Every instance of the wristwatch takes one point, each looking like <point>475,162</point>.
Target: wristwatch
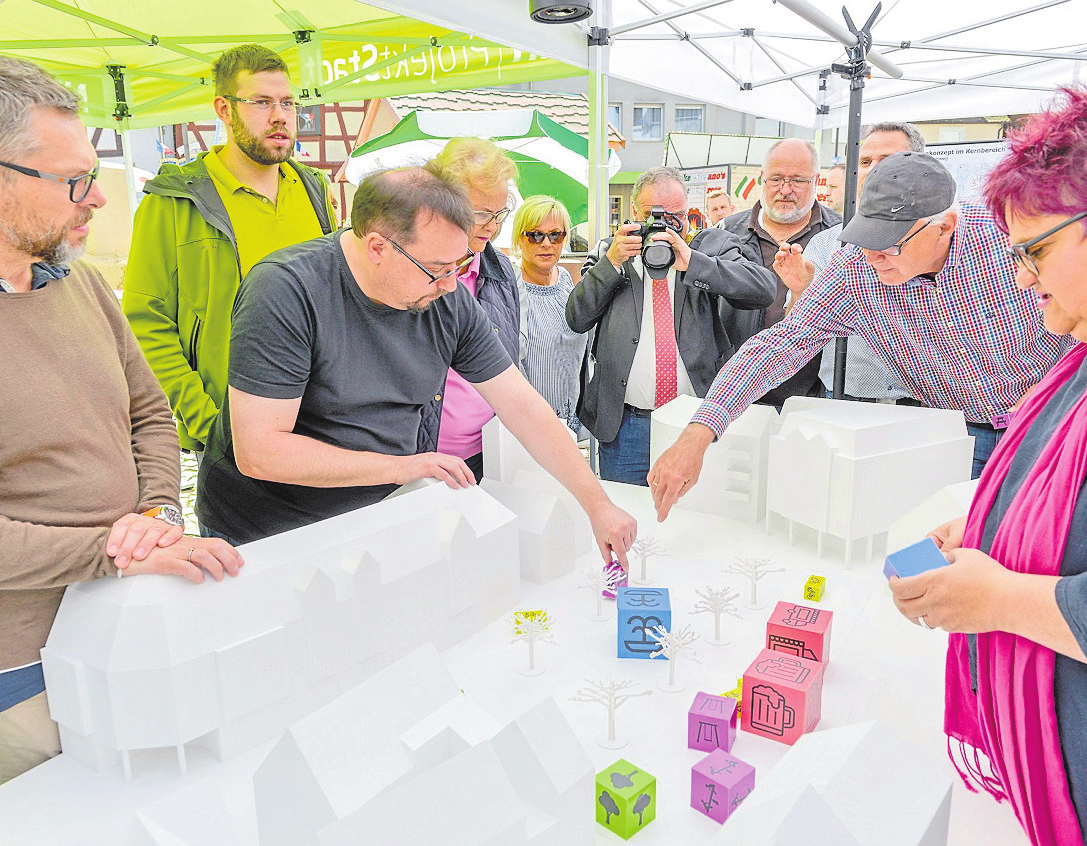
<point>167,514</point>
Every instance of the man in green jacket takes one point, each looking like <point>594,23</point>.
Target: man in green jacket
<point>203,226</point>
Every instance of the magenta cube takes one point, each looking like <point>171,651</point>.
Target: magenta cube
<point>719,783</point>
<point>711,723</point>
<point>800,630</point>
<point>624,579</point>
<point>782,696</point>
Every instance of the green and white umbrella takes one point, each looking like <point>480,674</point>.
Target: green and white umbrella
<point>551,159</point>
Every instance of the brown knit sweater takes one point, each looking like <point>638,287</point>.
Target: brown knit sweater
<point>86,436</point>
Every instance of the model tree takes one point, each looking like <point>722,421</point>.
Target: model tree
<point>717,601</point>
<point>611,694</point>
<point>600,579</point>
<point>645,548</point>
<point>754,569</point>
<point>674,645</point>
<point>532,627</point>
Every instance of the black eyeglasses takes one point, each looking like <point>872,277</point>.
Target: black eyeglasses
<point>1023,254</point>
<point>896,249</point>
<point>458,268</point>
<point>556,236</point>
<point>78,186</point>
<point>483,217</point>
<point>265,104</point>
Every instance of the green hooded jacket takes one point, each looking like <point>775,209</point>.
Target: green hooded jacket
<point>183,273</point>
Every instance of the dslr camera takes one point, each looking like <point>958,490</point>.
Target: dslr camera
<point>657,256</point>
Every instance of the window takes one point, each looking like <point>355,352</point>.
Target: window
<point>952,134</point>
<point>648,123</point>
<point>615,116</point>
<point>615,212</point>
<point>689,118</point>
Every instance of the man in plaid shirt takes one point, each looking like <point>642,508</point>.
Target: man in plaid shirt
<point>928,284</point>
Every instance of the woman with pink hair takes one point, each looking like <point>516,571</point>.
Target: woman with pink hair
<point>1015,594</point>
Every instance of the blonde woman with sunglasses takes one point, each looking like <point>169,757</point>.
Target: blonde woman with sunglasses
<point>551,352</point>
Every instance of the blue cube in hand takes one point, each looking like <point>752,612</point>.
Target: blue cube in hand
<point>914,559</point>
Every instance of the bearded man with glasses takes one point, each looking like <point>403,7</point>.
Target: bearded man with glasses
<point>203,225</point>
<point>929,284</point>
<point>339,344</point>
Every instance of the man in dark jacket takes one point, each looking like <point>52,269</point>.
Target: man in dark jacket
<point>680,317</point>
<point>786,212</point>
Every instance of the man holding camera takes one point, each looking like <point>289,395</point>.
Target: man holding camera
<point>656,338</point>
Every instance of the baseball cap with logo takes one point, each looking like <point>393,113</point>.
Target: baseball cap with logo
<point>901,190</point>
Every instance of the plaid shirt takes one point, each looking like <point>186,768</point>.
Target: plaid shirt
<point>968,340</point>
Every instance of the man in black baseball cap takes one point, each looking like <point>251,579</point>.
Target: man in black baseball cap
<point>928,285</point>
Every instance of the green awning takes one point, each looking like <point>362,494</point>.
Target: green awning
<point>139,64</point>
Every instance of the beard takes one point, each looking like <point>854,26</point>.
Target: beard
<point>253,146</point>
<point>788,215</point>
<point>33,238</point>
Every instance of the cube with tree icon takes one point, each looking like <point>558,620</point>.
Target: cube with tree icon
<point>626,798</point>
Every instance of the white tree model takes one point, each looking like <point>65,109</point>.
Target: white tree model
<point>532,627</point>
<point>611,694</point>
<point>717,601</point>
<point>754,569</point>
<point>673,645</point>
<point>598,580</point>
<point>645,548</point>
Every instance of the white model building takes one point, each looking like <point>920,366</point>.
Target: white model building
<point>733,478</point>
<point>406,759</point>
<point>554,530</point>
<point>848,470</point>
<point>946,504</point>
<point>136,667</point>
<point>849,786</point>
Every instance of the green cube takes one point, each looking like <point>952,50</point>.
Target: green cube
<point>626,798</point>
<point>814,588</point>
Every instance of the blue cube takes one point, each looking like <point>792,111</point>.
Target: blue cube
<point>641,610</point>
<point>914,559</point>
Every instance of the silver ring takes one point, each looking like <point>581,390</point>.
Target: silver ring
<point>189,556</point>
<point>923,623</point>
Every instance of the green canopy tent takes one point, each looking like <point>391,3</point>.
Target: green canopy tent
<point>141,64</point>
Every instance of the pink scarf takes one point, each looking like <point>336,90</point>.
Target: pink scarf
<point>1012,721</point>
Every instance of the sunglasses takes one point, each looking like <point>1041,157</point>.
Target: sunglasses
<point>556,236</point>
<point>459,267</point>
<point>1023,254</point>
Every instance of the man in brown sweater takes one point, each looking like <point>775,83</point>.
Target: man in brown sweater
<point>88,453</point>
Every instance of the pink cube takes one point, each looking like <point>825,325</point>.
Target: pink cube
<point>719,783</point>
<point>711,723</point>
<point>615,567</point>
<point>782,696</point>
<point>800,630</point>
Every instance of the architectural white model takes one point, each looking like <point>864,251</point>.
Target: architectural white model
<point>848,470</point>
<point>140,666</point>
<point>947,504</point>
<point>848,786</point>
<point>754,570</point>
<point>532,627</point>
<point>674,645</point>
<point>717,601</point>
<point>405,758</point>
<point>554,530</point>
<point>611,694</point>
<point>733,478</point>
<point>644,548</point>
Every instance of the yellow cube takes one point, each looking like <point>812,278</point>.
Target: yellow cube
<point>736,693</point>
<point>814,588</point>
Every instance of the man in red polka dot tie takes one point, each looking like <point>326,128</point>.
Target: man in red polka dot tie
<point>657,338</point>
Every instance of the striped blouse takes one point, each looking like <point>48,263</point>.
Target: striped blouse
<point>553,352</point>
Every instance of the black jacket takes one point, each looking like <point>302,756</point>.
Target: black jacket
<point>719,280</point>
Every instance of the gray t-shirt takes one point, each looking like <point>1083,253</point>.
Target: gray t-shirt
<point>302,327</point>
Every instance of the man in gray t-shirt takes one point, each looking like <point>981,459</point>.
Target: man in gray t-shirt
<point>337,345</point>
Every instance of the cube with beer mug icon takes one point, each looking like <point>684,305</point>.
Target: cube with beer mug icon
<point>800,630</point>
<point>782,696</point>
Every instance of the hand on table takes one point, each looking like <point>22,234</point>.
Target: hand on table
<point>134,536</point>
<point>434,465</point>
<point>190,558</point>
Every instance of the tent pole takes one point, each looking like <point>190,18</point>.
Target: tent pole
<point>599,51</point>
<point>130,170</point>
